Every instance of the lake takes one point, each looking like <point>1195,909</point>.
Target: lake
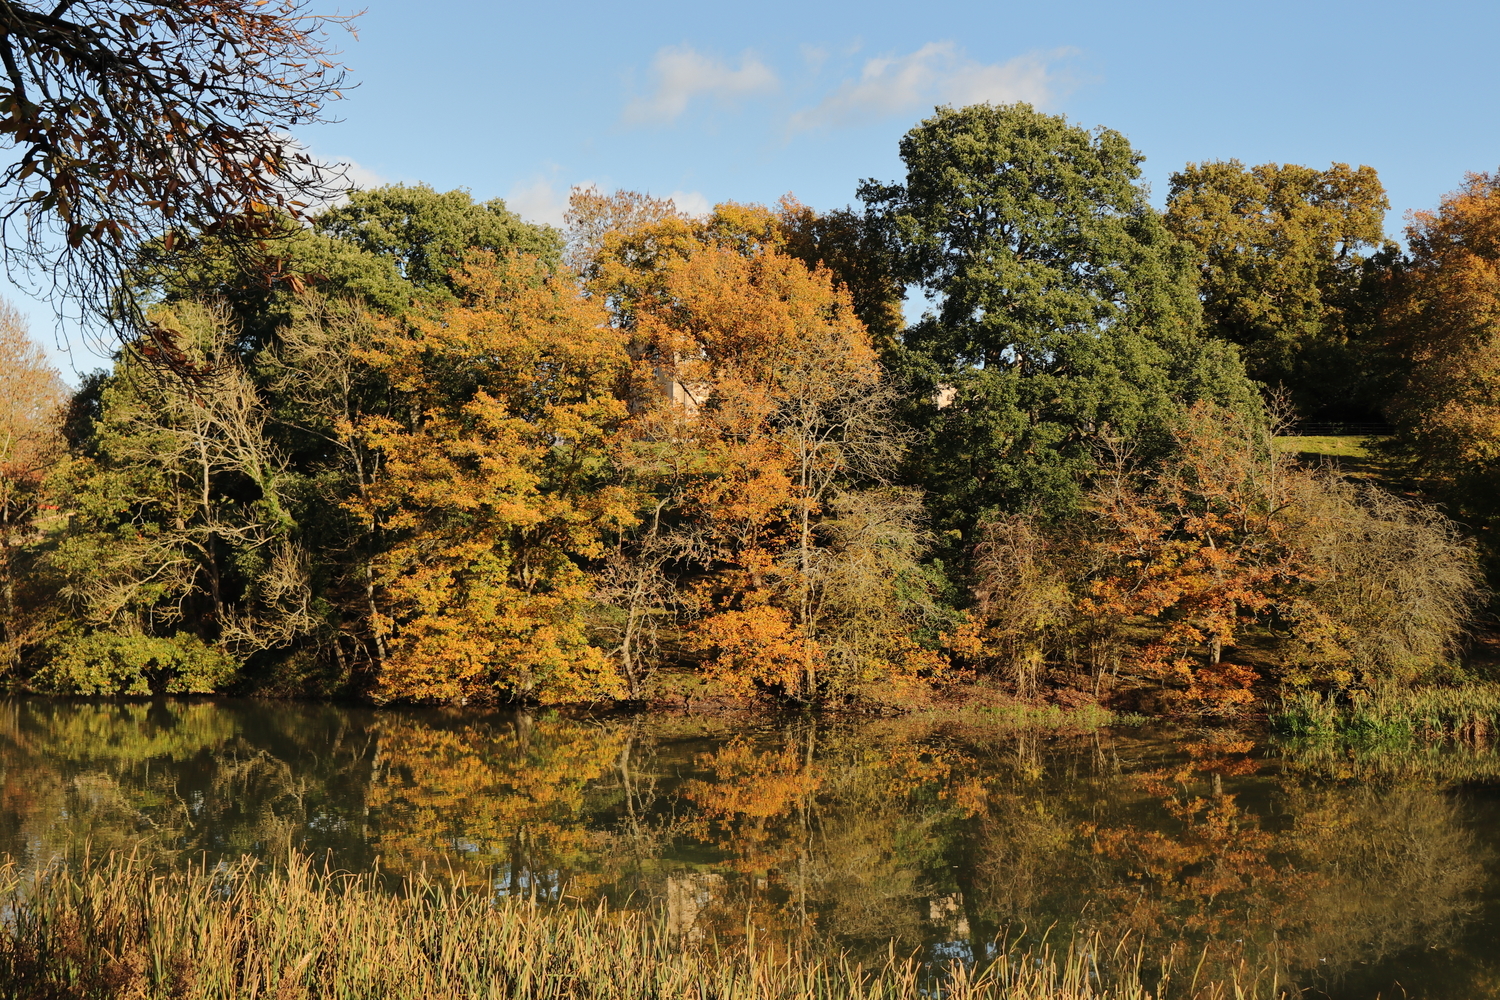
<point>1351,873</point>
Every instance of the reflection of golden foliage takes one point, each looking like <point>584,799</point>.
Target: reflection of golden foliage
<point>512,794</point>
<point>756,785</point>
<point>835,831</point>
<point>1360,872</point>
<point>810,833</point>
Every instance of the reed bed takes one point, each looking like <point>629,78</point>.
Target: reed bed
<point>119,929</point>
<point>1469,714</point>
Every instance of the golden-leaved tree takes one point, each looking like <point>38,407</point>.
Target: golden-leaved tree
<point>1445,325</point>
<point>495,486</point>
<point>798,552</point>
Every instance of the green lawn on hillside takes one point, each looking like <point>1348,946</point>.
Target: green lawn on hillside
<point>1356,456</point>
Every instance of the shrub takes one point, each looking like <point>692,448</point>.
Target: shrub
<point>1392,585</point>
<point>105,663</point>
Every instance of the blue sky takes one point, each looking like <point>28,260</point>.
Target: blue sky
<point>708,102</point>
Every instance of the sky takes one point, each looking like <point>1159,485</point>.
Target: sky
<point>707,102</point>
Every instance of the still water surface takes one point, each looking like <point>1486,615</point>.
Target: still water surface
<point>1355,875</point>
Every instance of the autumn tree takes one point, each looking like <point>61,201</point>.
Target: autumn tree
<point>593,215</point>
<point>1202,545</point>
<point>775,383</point>
<point>1395,587</point>
<point>642,610</point>
<point>1444,325</point>
<point>135,122</point>
<point>1065,312</point>
<point>31,408</point>
<point>1180,560</point>
<point>1022,600</point>
<point>1283,253</point>
<point>494,485</point>
<point>858,253</point>
<point>268,556</point>
<point>1229,536</point>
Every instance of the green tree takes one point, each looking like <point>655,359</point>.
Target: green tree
<point>263,298</point>
<point>427,233</point>
<point>176,531</point>
<point>1282,256</point>
<point>1065,312</point>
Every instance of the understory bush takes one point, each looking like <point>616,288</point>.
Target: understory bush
<point>108,663</point>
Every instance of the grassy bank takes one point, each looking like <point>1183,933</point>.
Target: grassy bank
<point>1356,456</point>
<point>1428,714</point>
<point>118,929</point>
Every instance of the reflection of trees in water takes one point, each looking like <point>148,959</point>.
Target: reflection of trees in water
<point>830,832</point>
<point>81,773</point>
<point>502,798</point>
<point>1320,878</point>
<point>809,831</point>
<point>167,778</point>
<point>1394,868</point>
<point>802,830</point>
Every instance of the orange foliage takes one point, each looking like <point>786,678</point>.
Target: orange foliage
<point>759,803</point>
<point>1215,864</point>
<point>775,384</point>
<point>31,444</point>
<point>1202,548</point>
<point>1448,324</point>
<point>495,486</point>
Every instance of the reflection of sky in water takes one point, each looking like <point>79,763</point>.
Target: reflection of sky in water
<point>1352,872</point>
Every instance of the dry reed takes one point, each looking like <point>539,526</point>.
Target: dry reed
<point>120,929</point>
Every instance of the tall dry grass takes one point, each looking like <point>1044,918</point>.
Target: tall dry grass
<point>118,929</point>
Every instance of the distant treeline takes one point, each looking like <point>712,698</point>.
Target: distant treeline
<point>444,454</point>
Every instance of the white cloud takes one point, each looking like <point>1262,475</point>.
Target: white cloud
<point>683,74</point>
<point>691,202</point>
<point>344,175</point>
<point>937,73</point>
<point>815,56</point>
<point>539,201</point>
<point>360,177</point>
